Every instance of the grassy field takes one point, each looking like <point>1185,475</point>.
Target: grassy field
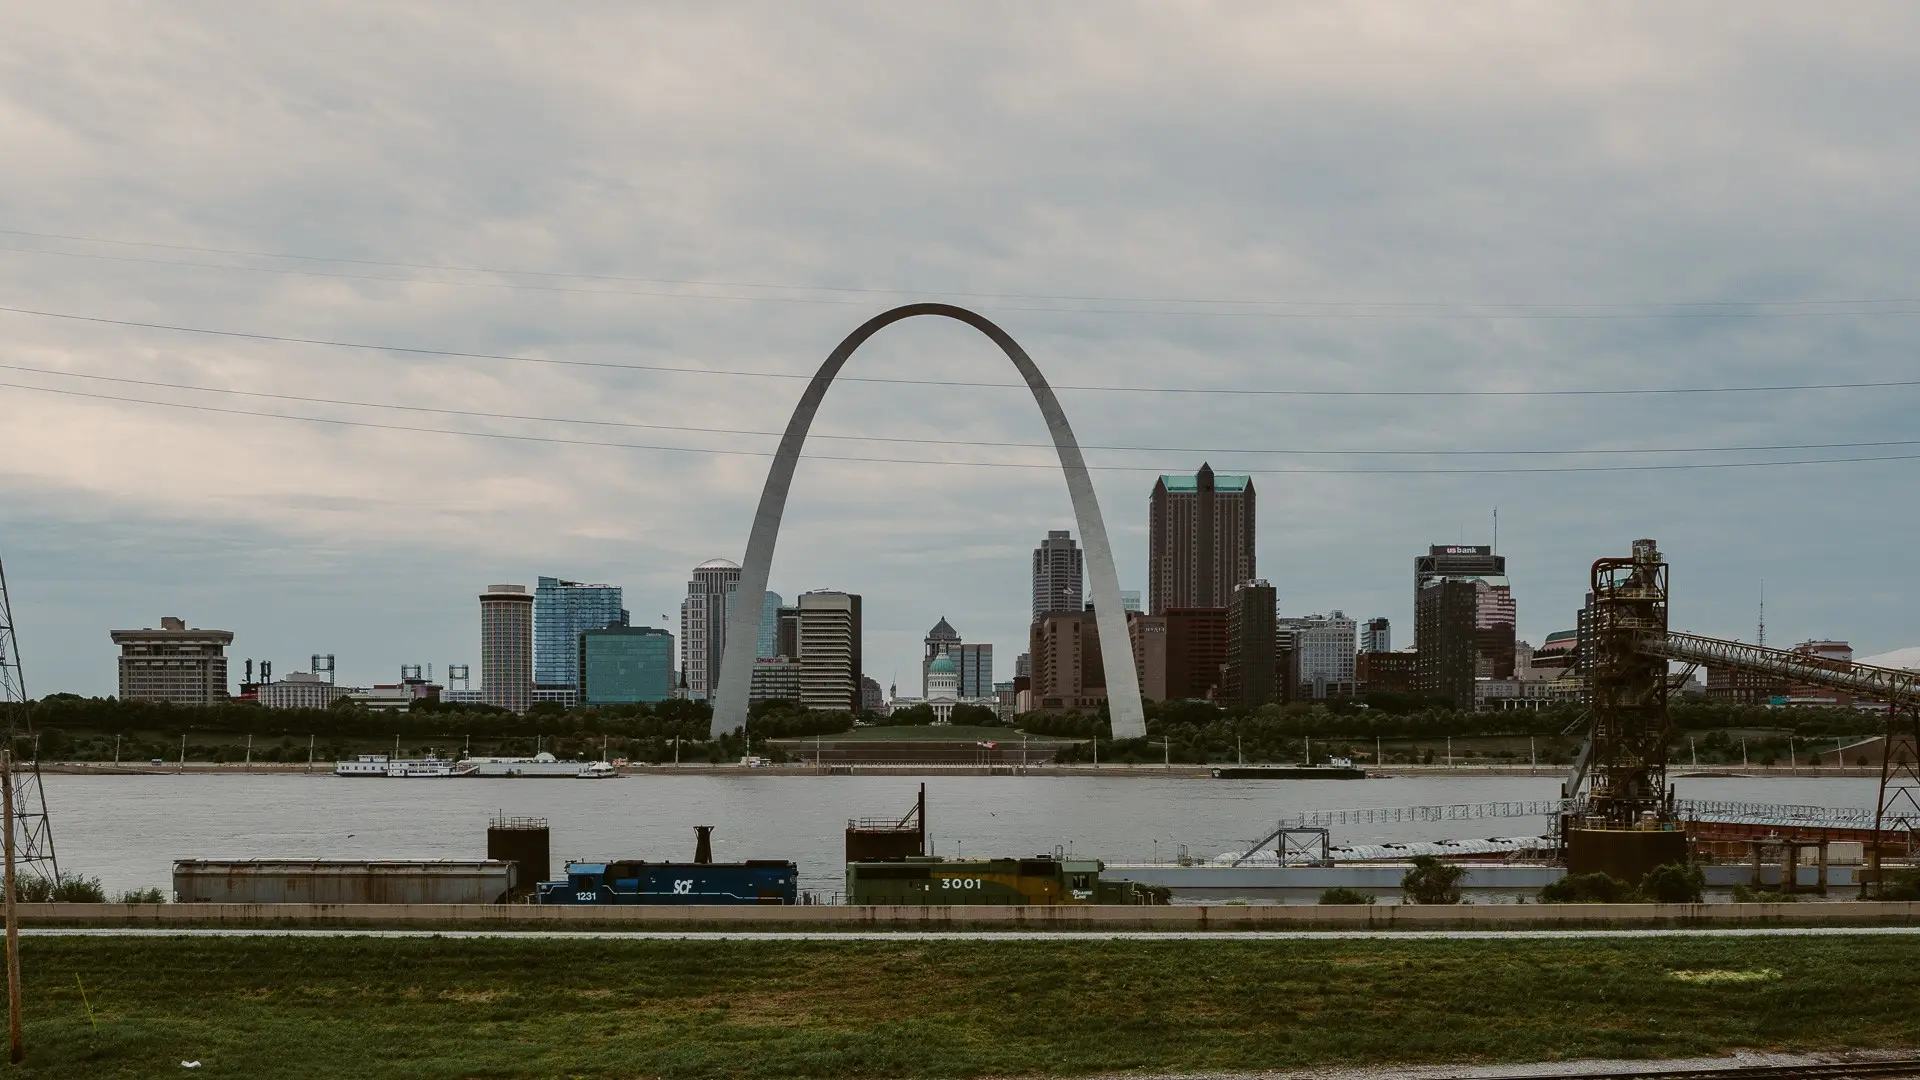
<point>432,1008</point>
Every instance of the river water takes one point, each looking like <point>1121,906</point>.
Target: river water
<point>128,829</point>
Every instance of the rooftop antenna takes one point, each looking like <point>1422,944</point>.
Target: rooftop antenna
<point>1496,530</point>
<point>1763,611</point>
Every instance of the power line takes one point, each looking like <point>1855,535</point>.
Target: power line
<point>873,291</point>
<point>669,369</point>
<point>1313,452</point>
<point>334,422</point>
<point>1344,311</point>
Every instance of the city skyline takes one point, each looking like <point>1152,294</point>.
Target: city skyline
<point>1381,263</point>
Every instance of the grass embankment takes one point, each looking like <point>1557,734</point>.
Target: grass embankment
<point>436,1008</point>
<point>1000,735</point>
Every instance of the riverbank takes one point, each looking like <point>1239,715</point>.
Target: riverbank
<point>440,1009</point>
<point>1188,772</point>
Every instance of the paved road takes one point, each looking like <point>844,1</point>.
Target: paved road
<point>988,935</point>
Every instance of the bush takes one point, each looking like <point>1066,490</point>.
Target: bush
<point>141,896</point>
<point>1898,885</point>
<point>1595,888</point>
<point>1674,884</point>
<point>70,889</point>
<point>1744,895</point>
<point>1346,896</point>
<point>1432,881</point>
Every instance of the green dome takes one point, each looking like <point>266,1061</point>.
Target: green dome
<point>942,665</point>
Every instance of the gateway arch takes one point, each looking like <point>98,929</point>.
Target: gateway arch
<point>1116,649</point>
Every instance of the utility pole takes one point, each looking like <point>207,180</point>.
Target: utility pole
<point>309,753</point>
<point>116,749</point>
<point>249,762</point>
<point>183,751</point>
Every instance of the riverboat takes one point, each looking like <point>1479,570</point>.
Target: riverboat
<point>598,770</point>
<point>424,768</point>
<point>542,764</point>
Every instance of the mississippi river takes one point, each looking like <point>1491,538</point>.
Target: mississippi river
<point>127,830</point>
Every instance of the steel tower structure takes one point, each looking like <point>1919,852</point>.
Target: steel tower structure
<point>33,840</point>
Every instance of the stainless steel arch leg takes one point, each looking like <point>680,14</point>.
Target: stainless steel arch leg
<point>1116,649</point>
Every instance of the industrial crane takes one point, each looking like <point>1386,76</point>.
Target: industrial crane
<point>1628,825</point>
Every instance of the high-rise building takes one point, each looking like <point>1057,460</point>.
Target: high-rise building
<point>769,643</point>
<point>1058,577</point>
<point>830,651</point>
<point>787,637</point>
<point>1023,666</point>
<point>1384,672</point>
<point>1323,655</point>
<point>174,663</point>
<point>1067,668</point>
<point>1148,636</point>
<point>943,638</point>
<point>1464,619</point>
<point>873,698</point>
<point>1556,654</point>
<point>1196,649</point>
<point>506,647</point>
<point>1248,677</point>
<point>1376,635</point>
<point>1130,600</point>
<point>976,670</point>
<point>1199,540</point>
<point>1444,653</point>
<point>703,625</point>
<point>775,678</point>
<point>561,609</point>
<point>625,665</point>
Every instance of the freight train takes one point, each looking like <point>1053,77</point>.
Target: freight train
<point>702,881</point>
<point>1042,880</point>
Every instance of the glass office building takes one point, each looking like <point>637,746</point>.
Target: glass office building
<point>625,665</point>
<point>561,610</point>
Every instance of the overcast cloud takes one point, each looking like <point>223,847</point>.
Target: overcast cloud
<point>1469,197</point>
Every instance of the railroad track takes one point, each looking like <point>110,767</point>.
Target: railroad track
<point>1836,1070</point>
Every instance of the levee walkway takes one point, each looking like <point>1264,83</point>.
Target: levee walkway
<point>1074,918</point>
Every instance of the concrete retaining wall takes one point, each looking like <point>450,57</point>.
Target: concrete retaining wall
<point>1272,917</point>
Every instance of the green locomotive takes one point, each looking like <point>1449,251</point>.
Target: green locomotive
<point>926,880</point>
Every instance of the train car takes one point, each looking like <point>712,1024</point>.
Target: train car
<point>1042,880</point>
<point>756,881</point>
<point>702,881</point>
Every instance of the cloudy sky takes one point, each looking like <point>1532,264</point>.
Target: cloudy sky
<point>1440,201</point>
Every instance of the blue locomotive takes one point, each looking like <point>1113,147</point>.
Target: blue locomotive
<point>702,881</point>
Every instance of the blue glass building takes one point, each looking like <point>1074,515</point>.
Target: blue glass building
<point>625,665</point>
<point>561,610</point>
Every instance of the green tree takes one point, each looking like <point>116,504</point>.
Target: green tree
<point>1674,884</point>
<point>1432,881</point>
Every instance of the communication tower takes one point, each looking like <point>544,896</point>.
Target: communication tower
<point>33,840</point>
<point>456,676</point>
<point>318,667</point>
<point>409,672</point>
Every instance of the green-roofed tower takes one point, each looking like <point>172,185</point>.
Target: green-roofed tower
<point>1199,541</point>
